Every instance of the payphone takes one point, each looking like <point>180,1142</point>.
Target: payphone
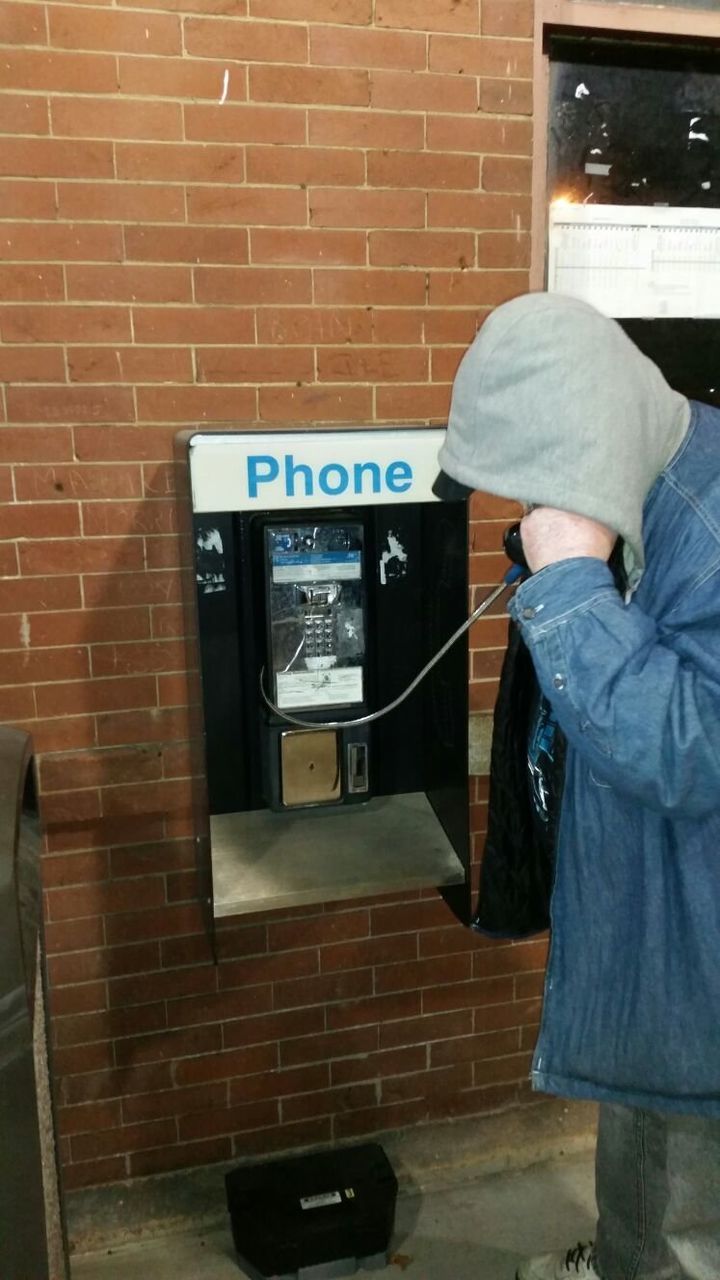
<point>326,575</point>
<point>316,645</point>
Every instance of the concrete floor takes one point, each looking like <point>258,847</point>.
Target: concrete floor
<point>477,1229</point>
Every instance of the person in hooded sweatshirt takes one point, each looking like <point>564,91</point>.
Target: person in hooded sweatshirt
<point>555,407</point>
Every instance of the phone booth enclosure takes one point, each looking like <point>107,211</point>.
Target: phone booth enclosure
<point>323,614</point>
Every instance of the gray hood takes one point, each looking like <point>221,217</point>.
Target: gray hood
<point>554,405</point>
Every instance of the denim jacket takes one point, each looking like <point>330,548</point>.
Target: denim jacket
<point>631,1011</point>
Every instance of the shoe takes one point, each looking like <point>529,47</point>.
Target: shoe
<point>558,1266</point>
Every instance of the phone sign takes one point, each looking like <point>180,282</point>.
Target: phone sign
<point>233,471</point>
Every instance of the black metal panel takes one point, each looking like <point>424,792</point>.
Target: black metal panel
<point>399,644</point>
<point>446,710</point>
<point>220,662</point>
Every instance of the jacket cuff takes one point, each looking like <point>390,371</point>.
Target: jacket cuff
<point>556,592</point>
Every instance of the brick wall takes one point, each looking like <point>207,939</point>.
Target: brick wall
<point>222,211</point>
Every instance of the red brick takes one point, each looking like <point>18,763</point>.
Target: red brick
<point>506,174</point>
<point>124,444</point>
<point>38,483</point>
<point>340,11</point>
<point>381,129</point>
<point>234,1120</point>
<point>96,695</point>
<point>483,134</point>
<point>57,71</point>
<point>24,115</point>
<point>332,47</point>
<point>51,157</point>
<point>489,211</point>
<point>195,404</point>
<point>252,285</point>
<point>134,659</point>
<point>40,593</point>
<point>100,118</point>
<point>90,1172</point>
<point>186,244</point>
<point>322,1048</point>
<point>310,85</point>
<point>368,951</point>
<point>16,704</point>
<point>375,1009</point>
<point>120,202</point>
<point>421,403</point>
<point>68,242</point>
<point>129,284</point>
<point>98,769</point>
<point>382,1118</point>
<point>304,166</point>
<point>223,1066</point>
<point>507,18</point>
<point>273,1027</point>
<point>9,565</point>
<point>315,404</point>
<point>69,404</point>
<point>88,1116</point>
<point>413,91</point>
<point>476,288</point>
<point>32,364</point>
<point>128,518</point>
<point>87,1146</point>
<point>512,97</point>
<point>511,59</point>
<point>30,283</point>
<point>180,162</point>
<point>129,364</point>
<point>504,249</point>
<point>226,38</point>
<point>421,249</point>
<point>22,24</point>
<point>254,364</point>
<point>94,1086</point>
<point>173,1102</point>
<point>252,207</point>
<point>239,123</point>
<point>422,1031</point>
<point>90,556</point>
<point>219,1008</point>
<point>167,1046</point>
<point>428,15</point>
<point>195,325</point>
<point>423,170</point>
<point>369,287</point>
<point>25,666</point>
<point>147,726</point>
<point>345,208</point>
<point>186,78</point>
<point>35,200</point>
<point>184,1154</point>
<point>311,326</point>
<point>30,444</point>
<point>74,936</point>
<point>323,247</point>
<point>76,868</point>
<point>372,364</point>
<point>65,324</point>
<point>114,30</point>
<point>163,922</point>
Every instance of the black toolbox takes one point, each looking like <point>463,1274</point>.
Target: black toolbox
<point>314,1216</point>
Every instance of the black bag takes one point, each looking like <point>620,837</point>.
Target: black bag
<point>516,873</point>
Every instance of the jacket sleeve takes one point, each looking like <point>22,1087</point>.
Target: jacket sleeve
<point>642,708</point>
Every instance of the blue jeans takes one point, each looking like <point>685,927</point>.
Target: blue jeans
<point>658,1193</point>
